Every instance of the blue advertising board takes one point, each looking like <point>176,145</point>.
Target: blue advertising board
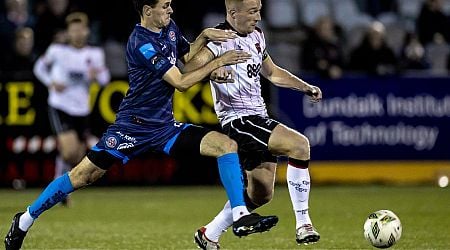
<point>372,118</point>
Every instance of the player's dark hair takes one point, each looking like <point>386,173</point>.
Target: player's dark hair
<point>139,4</point>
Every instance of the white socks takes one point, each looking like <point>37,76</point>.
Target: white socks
<point>224,220</point>
<point>25,221</point>
<point>239,211</point>
<point>220,223</point>
<point>298,181</point>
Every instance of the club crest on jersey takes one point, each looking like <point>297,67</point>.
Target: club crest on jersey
<point>111,142</point>
<point>258,48</point>
<point>172,36</point>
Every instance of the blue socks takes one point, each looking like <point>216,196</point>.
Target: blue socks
<point>56,191</point>
<point>231,177</point>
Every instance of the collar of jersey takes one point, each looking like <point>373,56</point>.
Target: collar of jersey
<point>149,31</point>
<point>228,26</point>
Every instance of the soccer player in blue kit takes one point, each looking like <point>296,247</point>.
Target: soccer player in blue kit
<point>145,120</point>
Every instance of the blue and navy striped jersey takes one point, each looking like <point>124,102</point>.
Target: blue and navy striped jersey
<point>149,56</point>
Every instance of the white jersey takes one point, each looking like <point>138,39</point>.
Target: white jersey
<point>66,65</point>
<point>243,97</point>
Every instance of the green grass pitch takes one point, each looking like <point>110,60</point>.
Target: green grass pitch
<point>167,217</point>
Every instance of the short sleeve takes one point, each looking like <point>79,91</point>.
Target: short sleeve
<point>50,55</point>
<point>215,48</point>
<point>153,60</point>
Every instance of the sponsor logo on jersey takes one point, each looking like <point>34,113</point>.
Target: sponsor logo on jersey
<point>76,76</point>
<point>158,61</point>
<point>111,142</point>
<point>253,70</point>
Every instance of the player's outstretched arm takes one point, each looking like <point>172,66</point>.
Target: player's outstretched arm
<point>200,59</point>
<point>283,78</point>
<point>182,82</point>
<point>209,34</point>
<point>205,55</point>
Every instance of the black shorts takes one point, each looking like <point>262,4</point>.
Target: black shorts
<point>61,122</point>
<point>252,135</point>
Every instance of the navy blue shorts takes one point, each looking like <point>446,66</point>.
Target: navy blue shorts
<point>126,142</point>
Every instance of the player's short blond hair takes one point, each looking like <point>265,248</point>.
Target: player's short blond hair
<point>77,17</point>
<point>231,4</point>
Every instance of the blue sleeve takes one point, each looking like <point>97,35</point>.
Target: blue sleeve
<point>153,59</point>
<point>183,45</point>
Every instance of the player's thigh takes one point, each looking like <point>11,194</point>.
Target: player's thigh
<point>216,144</point>
<point>85,173</point>
<point>284,140</point>
<point>69,143</point>
<point>261,181</point>
<point>196,140</point>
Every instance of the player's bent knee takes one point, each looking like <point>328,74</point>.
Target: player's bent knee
<point>300,149</point>
<point>229,146</point>
<point>85,173</point>
<point>217,144</point>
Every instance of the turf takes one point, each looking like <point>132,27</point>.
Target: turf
<point>167,217</point>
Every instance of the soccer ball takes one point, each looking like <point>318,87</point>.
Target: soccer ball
<point>382,228</point>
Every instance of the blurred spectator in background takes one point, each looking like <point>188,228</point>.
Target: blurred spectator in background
<point>50,24</point>
<point>16,16</point>
<point>373,55</point>
<point>413,54</point>
<point>192,24</point>
<point>322,49</point>
<point>436,53</point>
<point>18,63</point>
<point>432,21</point>
<point>377,7</point>
<point>68,70</point>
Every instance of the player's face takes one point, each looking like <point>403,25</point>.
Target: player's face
<point>78,34</point>
<point>248,14</point>
<point>160,16</point>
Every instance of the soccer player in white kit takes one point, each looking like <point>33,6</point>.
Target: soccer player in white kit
<point>243,115</point>
<point>68,70</point>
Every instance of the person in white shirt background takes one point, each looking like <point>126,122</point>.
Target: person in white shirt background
<point>68,70</point>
